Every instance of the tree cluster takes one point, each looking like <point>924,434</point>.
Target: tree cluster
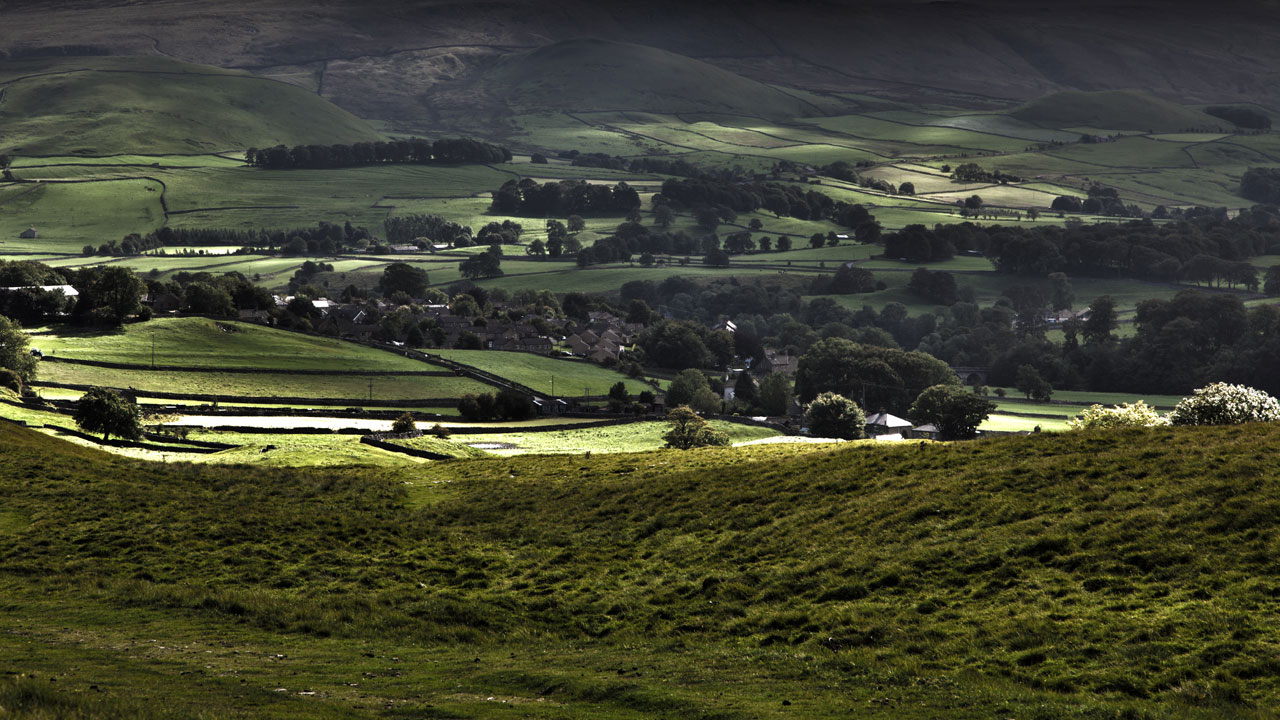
<point>1244,117</point>
<point>1261,185</point>
<point>505,404</point>
<point>528,198</point>
<point>410,229</point>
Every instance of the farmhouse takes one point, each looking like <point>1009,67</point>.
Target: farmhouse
<point>29,234</point>
<point>882,423</point>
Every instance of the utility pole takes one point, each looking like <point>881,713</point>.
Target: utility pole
<point>370,389</point>
<point>553,386</point>
<point>153,349</point>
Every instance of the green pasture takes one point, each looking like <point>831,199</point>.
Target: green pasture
<point>572,377</point>
<point>879,129</point>
<point>68,216</point>
<point>203,343</point>
<point>1012,423</point>
<point>1181,187</point>
<point>125,162</point>
<point>358,388</point>
<point>561,132</point>
<point>1130,152</point>
<point>631,437</point>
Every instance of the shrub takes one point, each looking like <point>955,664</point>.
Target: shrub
<point>835,416</point>
<point>1137,414</point>
<point>403,424</point>
<point>1223,404</point>
<point>10,379</point>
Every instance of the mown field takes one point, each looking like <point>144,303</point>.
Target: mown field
<point>1120,574</point>
<point>197,342</point>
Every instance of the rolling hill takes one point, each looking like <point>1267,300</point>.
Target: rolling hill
<point>109,105</point>
<point>1116,574</point>
<point>1114,110</point>
<point>587,75</point>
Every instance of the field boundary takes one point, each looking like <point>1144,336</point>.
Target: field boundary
<point>266,399</point>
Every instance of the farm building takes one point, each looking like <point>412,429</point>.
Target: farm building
<point>882,423</point>
<point>29,234</point>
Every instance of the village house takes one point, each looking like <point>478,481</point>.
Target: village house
<point>29,234</point>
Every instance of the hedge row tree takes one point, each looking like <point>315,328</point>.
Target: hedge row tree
<point>106,411</point>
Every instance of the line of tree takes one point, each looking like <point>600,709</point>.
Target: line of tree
<point>781,200</point>
<point>1137,249</point>
<point>416,151</point>
<point>528,198</point>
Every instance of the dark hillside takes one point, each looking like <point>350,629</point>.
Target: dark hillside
<point>401,61</point>
<point>1129,572</point>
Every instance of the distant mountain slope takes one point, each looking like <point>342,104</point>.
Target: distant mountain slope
<point>400,60</point>
<point>106,105</point>
<point>1114,110</point>
<point>602,75</point>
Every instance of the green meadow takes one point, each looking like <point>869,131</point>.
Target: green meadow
<point>571,377</point>
<point>857,580</point>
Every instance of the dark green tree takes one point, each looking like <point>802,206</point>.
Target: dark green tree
<point>483,265</point>
<point>405,278</point>
<point>956,412</point>
<point>104,410</point>
<point>15,353</point>
<point>1032,384</point>
<point>834,416</point>
<point>1100,321</point>
<point>775,394</point>
<point>619,398</point>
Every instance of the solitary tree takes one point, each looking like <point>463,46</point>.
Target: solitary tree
<point>834,416</point>
<point>619,398</point>
<point>1030,383</point>
<point>403,277</point>
<point>105,411</point>
<point>956,412</point>
<point>690,431</point>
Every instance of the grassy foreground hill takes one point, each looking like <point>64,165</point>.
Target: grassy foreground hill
<point>1127,574</point>
<point>106,105</point>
